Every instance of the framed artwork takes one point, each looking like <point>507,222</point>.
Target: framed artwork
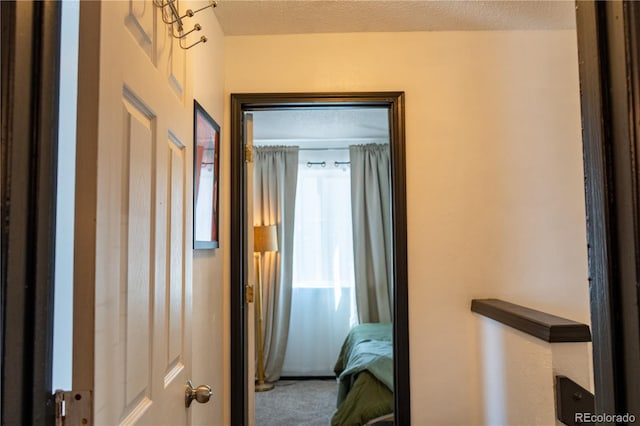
<point>206,160</point>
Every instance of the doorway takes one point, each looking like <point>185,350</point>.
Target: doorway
<point>243,103</point>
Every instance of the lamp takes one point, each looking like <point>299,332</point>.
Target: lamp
<point>265,238</point>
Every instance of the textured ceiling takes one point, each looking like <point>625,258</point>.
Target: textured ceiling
<point>317,128</point>
<point>260,17</point>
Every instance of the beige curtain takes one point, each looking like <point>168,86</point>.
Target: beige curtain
<point>371,212</point>
<point>274,194</point>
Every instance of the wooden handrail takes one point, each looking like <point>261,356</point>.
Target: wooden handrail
<point>544,326</point>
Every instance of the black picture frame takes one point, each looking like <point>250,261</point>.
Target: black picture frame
<point>206,173</point>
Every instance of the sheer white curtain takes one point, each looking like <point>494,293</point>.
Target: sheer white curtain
<point>274,194</point>
<point>323,304</point>
<point>371,209</point>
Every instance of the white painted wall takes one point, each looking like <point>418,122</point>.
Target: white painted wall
<point>517,372</point>
<point>210,267</point>
<point>494,178</point>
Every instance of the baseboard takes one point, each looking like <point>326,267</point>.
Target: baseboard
<point>308,378</point>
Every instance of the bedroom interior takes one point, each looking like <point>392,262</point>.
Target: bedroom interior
<point>341,184</point>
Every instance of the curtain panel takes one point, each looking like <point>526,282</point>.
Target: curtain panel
<point>372,250</point>
<point>275,177</point>
<point>320,320</point>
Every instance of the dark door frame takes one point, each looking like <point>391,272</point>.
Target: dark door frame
<point>609,64</point>
<point>241,103</point>
<point>30,80</point>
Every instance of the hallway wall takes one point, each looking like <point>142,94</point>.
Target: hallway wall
<point>494,177</point>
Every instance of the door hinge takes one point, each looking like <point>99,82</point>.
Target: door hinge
<point>248,154</point>
<point>74,408</point>
<point>248,294</point>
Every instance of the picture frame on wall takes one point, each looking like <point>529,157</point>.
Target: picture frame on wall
<point>206,168</point>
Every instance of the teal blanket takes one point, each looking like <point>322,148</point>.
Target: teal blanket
<point>367,349</point>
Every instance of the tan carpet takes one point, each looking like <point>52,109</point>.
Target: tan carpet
<point>293,403</point>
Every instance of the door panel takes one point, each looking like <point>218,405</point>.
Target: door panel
<point>140,23</point>
<point>175,259</point>
<point>140,240</point>
<point>136,282</point>
<point>177,70</point>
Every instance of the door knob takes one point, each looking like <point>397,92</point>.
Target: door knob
<point>202,393</point>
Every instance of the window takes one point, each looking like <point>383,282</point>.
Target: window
<point>323,298</point>
<point>323,240</point>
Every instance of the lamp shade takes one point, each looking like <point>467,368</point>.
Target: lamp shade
<point>265,238</point>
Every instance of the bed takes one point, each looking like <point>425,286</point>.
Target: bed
<point>365,372</point>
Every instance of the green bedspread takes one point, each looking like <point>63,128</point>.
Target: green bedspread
<point>365,371</point>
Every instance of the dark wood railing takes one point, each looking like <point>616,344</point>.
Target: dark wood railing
<point>547,327</point>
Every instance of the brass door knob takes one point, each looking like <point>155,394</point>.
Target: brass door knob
<point>202,393</point>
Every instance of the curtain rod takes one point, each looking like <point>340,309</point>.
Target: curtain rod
<point>324,163</point>
<point>345,148</point>
<point>323,149</point>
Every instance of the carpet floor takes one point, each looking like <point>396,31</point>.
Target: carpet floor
<point>299,402</point>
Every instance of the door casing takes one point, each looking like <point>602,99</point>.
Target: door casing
<point>609,64</point>
<point>241,103</point>
<point>30,84</point>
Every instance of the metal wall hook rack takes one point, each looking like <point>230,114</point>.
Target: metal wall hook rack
<point>171,16</point>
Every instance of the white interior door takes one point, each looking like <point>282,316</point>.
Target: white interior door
<point>132,308</point>
<point>250,271</point>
